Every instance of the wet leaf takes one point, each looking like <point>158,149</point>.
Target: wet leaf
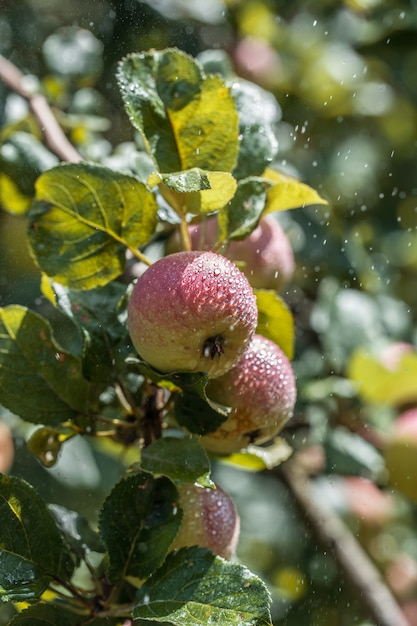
<point>45,615</point>
<point>196,587</point>
<point>32,551</point>
<point>287,192</point>
<point>181,459</point>
<point>242,214</point>
<point>83,219</point>
<point>39,380</point>
<point>186,119</point>
<point>275,320</point>
<point>138,522</point>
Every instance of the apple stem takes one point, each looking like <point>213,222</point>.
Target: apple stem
<point>185,235</point>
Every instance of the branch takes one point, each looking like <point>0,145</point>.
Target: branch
<point>54,137</point>
<point>352,559</point>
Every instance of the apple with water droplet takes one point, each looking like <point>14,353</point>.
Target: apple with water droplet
<point>261,392</point>
<point>210,520</point>
<point>192,312</point>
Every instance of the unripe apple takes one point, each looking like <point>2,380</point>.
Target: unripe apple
<point>266,256</point>
<point>6,448</point>
<point>192,312</point>
<point>401,454</point>
<point>261,392</point>
<point>209,520</point>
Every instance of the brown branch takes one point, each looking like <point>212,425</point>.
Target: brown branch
<point>352,559</point>
<point>54,136</point>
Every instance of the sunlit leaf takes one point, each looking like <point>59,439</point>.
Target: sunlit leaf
<point>32,551</point>
<point>182,459</point>
<point>381,385</point>
<point>287,192</point>
<point>45,443</point>
<point>83,219</point>
<point>258,458</point>
<point>138,522</point>
<point>39,380</point>
<point>196,587</point>
<point>275,320</point>
<point>186,119</point>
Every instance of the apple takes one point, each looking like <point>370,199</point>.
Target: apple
<point>265,256</point>
<point>192,312</point>
<point>401,454</point>
<point>367,502</point>
<point>209,520</point>
<point>261,392</point>
<point>6,448</point>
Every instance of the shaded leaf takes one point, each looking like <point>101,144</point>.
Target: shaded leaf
<point>182,460</point>
<point>242,214</point>
<point>39,380</point>
<point>32,551</point>
<point>275,320</point>
<point>138,522</point>
<point>196,587</point>
<point>195,191</point>
<point>83,219</point>
<point>287,192</point>
<point>76,530</point>
<point>382,385</point>
<point>186,119</point>
<point>348,454</point>
<point>45,615</point>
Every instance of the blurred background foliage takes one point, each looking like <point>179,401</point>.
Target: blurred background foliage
<point>344,74</point>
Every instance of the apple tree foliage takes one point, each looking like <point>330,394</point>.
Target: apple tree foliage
<point>72,371</point>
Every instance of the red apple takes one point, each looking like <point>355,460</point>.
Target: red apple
<point>192,312</point>
<point>266,256</point>
<point>261,392</point>
<point>367,502</point>
<point>209,520</point>
<point>6,448</point>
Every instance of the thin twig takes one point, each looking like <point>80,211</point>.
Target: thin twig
<point>54,136</point>
<point>353,560</point>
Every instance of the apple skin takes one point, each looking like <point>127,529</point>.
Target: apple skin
<point>192,312</point>
<point>6,448</point>
<point>401,454</point>
<point>261,392</point>
<point>210,520</point>
<point>266,255</point>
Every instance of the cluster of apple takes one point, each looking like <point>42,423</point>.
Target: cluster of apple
<point>196,311</point>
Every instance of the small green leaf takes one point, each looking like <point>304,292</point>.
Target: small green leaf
<point>195,191</point>
<point>39,380</point>
<point>242,214</point>
<point>196,587</point>
<point>138,522</point>
<point>287,192</point>
<point>182,460</point>
<point>83,219</point>
<point>275,320</point>
<point>383,385</point>
<point>32,551</point>
<point>186,119</point>
<point>45,615</point>
<point>76,530</point>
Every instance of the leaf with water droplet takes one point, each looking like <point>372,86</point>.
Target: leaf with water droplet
<point>242,214</point>
<point>275,320</point>
<point>186,119</point>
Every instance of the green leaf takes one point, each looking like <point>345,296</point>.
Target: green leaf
<point>76,530</point>
<point>32,551</point>
<point>196,587</point>
<point>101,314</point>
<point>138,522</point>
<point>275,320</point>
<point>45,615</point>
<point>83,219</point>
<point>39,380</point>
<point>242,214</point>
<point>287,192</point>
<point>195,191</point>
<point>183,460</point>
<point>186,119</point>
<point>258,112</point>
<point>22,159</point>
<point>378,384</point>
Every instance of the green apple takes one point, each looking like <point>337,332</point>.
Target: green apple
<point>192,312</point>
<point>209,520</point>
<point>261,392</point>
